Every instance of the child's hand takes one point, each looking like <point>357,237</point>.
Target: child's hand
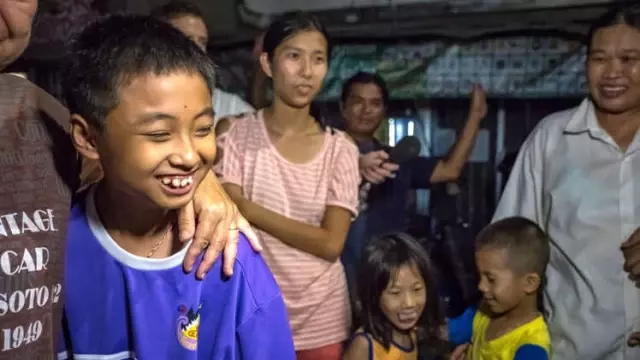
<point>634,339</point>
<point>460,353</point>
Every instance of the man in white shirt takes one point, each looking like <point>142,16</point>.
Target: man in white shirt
<point>578,177</point>
<point>187,18</point>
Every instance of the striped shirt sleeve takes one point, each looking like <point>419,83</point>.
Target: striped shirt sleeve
<point>345,178</point>
<point>229,168</point>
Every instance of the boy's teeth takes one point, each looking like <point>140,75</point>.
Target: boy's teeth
<point>177,181</point>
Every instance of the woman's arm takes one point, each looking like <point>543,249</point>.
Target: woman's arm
<point>325,242</point>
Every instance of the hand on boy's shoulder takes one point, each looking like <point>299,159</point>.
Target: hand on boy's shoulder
<point>246,255</point>
<point>218,223</point>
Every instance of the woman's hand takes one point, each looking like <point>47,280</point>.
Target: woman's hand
<point>213,221</point>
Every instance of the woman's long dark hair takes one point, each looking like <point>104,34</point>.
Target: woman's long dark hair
<point>289,25</point>
<point>380,260</point>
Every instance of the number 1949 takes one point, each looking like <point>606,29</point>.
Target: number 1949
<point>19,336</point>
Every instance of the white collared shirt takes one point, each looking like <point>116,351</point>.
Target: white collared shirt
<point>572,179</point>
<point>228,104</point>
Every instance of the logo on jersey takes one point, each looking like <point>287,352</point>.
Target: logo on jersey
<point>187,327</point>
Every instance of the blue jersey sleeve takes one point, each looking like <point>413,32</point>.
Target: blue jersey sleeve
<point>460,328</point>
<point>531,352</point>
<point>266,334</point>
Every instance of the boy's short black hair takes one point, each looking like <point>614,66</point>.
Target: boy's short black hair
<point>527,244</point>
<point>107,54</point>
<point>364,77</point>
<point>176,9</point>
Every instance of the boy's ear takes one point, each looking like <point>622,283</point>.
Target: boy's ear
<point>84,137</point>
<point>532,283</point>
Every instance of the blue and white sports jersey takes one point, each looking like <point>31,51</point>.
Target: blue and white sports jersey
<point>120,306</point>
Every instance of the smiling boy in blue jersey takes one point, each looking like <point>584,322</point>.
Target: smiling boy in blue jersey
<point>140,96</point>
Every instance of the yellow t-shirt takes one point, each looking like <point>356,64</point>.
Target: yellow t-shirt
<point>395,352</point>
<point>529,337</point>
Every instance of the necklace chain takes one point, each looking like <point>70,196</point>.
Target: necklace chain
<point>157,245</point>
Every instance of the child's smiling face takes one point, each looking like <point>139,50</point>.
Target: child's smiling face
<point>158,143</point>
<point>405,297</point>
<point>501,286</point>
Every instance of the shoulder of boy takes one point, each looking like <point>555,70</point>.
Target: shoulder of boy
<point>251,269</point>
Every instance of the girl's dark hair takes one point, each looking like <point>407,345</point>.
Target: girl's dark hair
<point>289,25</point>
<point>618,16</point>
<point>380,260</point>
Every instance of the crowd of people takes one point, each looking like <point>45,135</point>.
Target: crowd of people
<point>114,212</point>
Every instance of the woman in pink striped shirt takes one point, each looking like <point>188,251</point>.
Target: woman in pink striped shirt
<point>297,183</point>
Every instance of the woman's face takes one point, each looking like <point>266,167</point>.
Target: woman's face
<point>613,68</point>
<point>298,68</point>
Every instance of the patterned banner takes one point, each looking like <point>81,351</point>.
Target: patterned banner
<point>507,67</point>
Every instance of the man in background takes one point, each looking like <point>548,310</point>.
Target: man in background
<point>188,18</point>
<point>365,100</point>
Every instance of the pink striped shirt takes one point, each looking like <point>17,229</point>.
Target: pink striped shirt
<point>314,289</point>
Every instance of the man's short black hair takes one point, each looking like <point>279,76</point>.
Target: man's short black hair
<point>363,77</point>
<point>527,245</point>
<point>109,53</point>
<point>175,9</point>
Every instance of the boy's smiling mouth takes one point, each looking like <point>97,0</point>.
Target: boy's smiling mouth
<point>177,185</point>
<point>177,181</point>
